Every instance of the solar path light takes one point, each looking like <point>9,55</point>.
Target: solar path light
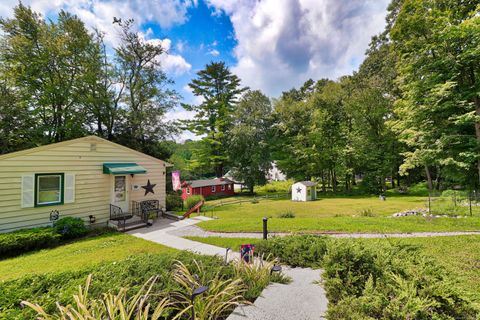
<point>226,255</point>
<point>275,269</point>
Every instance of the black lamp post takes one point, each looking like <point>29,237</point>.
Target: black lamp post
<point>265,231</point>
<point>197,292</point>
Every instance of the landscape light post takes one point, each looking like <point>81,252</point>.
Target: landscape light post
<point>275,269</point>
<point>265,231</point>
<point>195,293</point>
<point>226,255</point>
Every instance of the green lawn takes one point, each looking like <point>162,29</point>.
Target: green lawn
<point>78,255</point>
<point>460,255</point>
<point>337,214</point>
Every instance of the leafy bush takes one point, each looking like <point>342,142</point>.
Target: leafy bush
<point>71,227</point>
<point>18,242</point>
<point>191,201</point>
<point>367,213</point>
<point>287,215</point>
<point>173,201</point>
<point>420,189</point>
<point>303,251</point>
<point>275,187</point>
<point>389,282</point>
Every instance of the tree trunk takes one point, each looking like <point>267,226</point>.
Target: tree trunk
<point>429,178</point>
<point>323,182</point>
<point>477,130</point>
<point>334,181</point>
<point>219,171</point>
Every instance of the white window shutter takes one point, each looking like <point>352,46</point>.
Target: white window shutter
<point>28,186</point>
<point>69,195</point>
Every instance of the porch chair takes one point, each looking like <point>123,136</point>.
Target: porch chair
<point>150,207</point>
<point>117,214</point>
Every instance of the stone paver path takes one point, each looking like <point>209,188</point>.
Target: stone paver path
<point>195,231</point>
<point>302,299</point>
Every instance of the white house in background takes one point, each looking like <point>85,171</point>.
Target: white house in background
<point>304,191</point>
<point>274,174</point>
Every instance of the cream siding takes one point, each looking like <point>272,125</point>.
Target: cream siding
<point>92,194</point>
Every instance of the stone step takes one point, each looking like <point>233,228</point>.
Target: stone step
<point>172,216</point>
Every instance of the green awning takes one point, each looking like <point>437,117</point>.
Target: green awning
<point>123,168</point>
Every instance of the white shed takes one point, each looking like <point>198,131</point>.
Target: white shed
<point>304,191</point>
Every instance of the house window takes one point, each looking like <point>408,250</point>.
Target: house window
<point>188,190</point>
<point>229,187</point>
<point>223,187</point>
<point>214,189</point>
<point>48,189</point>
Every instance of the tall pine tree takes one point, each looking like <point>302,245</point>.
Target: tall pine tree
<point>219,89</point>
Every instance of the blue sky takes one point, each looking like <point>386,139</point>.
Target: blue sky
<point>272,45</point>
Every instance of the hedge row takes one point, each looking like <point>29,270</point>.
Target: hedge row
<point>19,242</point>
<point>15,243</point>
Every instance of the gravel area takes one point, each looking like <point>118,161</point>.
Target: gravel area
<point>194,231</point>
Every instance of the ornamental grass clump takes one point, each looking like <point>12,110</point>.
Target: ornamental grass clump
<point>109,306</point>
<point>287,215</point>
<point>223,294</point>
<point>257,275</point>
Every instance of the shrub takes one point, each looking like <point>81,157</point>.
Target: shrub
<point>71,227</point>
<point>287,215</point>
<point>389,282</point>
<point>375,281</point>
<point>191,201</point>
<point>254,201</point>
<point>18,242</point>
<point>173,201</point>
<point>367,213</point>
<point>297,251</point>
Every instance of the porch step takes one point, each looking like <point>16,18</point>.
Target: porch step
<point>172,216</point>
<point>131,224</point>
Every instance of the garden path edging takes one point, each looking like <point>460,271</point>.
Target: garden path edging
<point>195,231</point>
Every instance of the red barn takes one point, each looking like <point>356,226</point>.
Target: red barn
<point>208,187</point>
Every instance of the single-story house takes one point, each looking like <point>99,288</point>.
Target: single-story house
<point>77,178</point>
<point>208,187</point>
<point>304,191</point>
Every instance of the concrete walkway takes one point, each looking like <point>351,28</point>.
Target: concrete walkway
<point>164,232</point>
<point>194,231</point>
<point>302,299</point>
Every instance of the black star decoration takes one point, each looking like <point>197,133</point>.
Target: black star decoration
<point>149,187</point>
<point>299,190</point>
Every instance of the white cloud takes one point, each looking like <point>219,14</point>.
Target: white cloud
<point>173,64</point>
<point>213,52</point>
<point>99,14</point>
<point>282,43</point>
